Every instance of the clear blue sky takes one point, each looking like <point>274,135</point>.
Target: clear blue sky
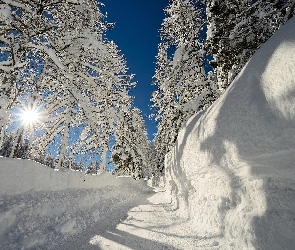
<point>136,33</point>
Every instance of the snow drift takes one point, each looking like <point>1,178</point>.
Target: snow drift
<point>232,171</point>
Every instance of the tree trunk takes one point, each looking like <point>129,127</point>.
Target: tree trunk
<point>103,160</point>
<point>16,143</point>
<point>64,141</point>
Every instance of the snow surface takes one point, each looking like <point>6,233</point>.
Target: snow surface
<point>230,180</point>
<point>41,208</point>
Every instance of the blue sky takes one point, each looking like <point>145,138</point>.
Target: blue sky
<point>136,33</point>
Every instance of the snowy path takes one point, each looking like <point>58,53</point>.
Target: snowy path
<point>85,219</point>
<point>105,228</point>
<point>123,214</point>
<point>44,209</point>
<point>118,230</point>
<point>63,219</point>
<point>152,226</point>
<point>91,219</point>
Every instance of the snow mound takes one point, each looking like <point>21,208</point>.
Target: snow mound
<point>232,171</point>
<point>41,208</point>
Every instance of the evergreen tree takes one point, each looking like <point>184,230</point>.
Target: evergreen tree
<point>92,168</point>
<point>131,150</point>
<point>236,29</point>
<point>6,145</point>
<point>182,84</point>
<point>23,150</point>
<point>49,161</point>
<point>22,147</point>
<point>77,166</point>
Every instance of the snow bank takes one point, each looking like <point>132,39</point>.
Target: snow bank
<point>20,176</point>
<point>232,171</point>
<point>41,208</point>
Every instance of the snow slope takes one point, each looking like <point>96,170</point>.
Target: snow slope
<point>232,171</point>
<point>45,209</point>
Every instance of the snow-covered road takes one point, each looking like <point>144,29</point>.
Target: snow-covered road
<point>63,219</point>
<point>44,209</point>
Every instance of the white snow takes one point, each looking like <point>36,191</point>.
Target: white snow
<point>178,56</point>
<point>230,180</point>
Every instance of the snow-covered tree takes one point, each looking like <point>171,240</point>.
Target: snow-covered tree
<point>236,29</point>
<point>81,76</point>
<point>95,82</point>
<point>21,149</point>
<point>49,161</point>
<point>131,150</point>
<point>20,27</point>
<point>92,168</point>
<point>6,145</point>
<point>182,85</point>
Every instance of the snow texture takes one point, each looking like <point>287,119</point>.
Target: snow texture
<point>232,171</point>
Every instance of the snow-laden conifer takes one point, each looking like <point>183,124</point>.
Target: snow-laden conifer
<point>182,85</point>
<point>131,151</point>
<point>236,29</point>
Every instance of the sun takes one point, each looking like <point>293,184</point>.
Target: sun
<point>30,116</point>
